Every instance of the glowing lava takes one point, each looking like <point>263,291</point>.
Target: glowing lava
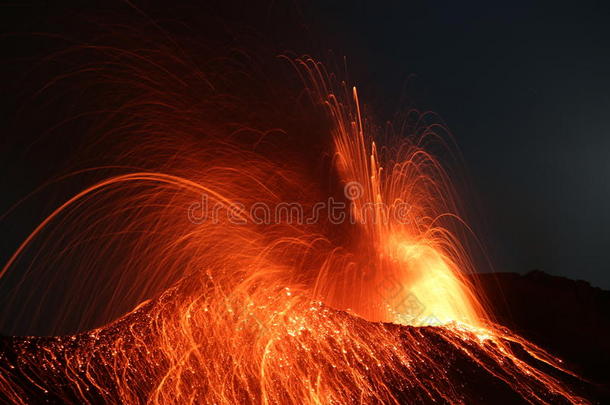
<point>270,312</point>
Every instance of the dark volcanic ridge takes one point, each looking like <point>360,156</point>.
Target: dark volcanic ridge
<point>569,318</point>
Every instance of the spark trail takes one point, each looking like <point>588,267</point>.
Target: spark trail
<point>273,312</point>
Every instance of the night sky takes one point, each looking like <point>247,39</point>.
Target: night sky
<point>525,90</point>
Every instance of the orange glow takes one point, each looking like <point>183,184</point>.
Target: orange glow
<point>276,312</point>
<point>439,289</point>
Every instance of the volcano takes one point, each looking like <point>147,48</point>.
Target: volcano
<point>73,369</point>
<point>232,236</point>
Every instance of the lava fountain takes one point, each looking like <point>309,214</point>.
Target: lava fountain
<point>239,307</point>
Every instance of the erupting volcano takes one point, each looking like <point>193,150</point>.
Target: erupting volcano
<point>256,275</point>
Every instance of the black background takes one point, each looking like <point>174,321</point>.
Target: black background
<point>524,87</point>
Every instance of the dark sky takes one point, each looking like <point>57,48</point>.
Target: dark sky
<point>526,92</point>
<point>524,88</point>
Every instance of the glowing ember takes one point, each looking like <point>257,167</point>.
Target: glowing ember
<point>275,311</point>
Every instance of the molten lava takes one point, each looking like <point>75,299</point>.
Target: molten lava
<point>266,312</point>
